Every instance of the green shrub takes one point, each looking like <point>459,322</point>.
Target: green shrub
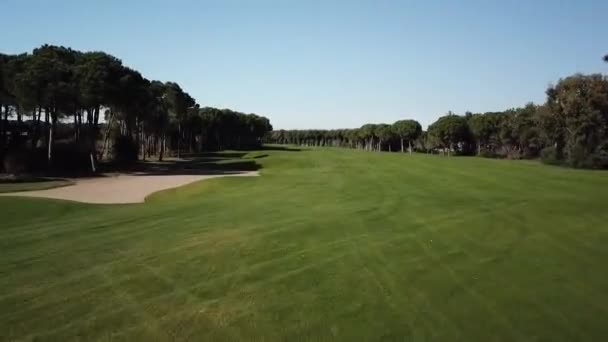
<point>578,157</point>
<point>600,159</point>
<point>488,154</point>
<point>549,155</point>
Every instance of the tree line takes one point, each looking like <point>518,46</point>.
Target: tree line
<point>570,128</point>
<point>61,105</point>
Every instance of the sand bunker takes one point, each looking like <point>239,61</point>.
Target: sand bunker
<point>121,188</point>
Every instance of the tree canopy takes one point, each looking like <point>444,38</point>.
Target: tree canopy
<point>94,106</point>
<point>407,130</point>
<point>570,128</point>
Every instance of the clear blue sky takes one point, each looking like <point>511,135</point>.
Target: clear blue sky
<point>331,64</point>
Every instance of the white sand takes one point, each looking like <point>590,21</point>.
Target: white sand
<point>120,188</point>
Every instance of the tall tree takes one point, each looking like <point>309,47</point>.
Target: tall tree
<point>482,127</point>
<point>7,99</point>
<point>179,102</point>
<point>451,131</point>
<point>578,107</point>
<point>408,130</point>
<point>368,133</point>
<point>51,69</point>
<point>96,75</point>
<point>384,133</point>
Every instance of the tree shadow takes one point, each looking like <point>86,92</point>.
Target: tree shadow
<point>28,179</point>
<point>217,155</point>
<point>280,148</point>
<point>190,164</point>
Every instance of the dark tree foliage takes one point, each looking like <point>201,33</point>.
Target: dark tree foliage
<point>59,100</point>
<point>575,125</point>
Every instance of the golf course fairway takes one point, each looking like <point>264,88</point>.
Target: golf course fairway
<point>326,244</point>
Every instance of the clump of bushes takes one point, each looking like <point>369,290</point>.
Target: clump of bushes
<point>577,157</point>
<point>550,156</point>
<point>488,154</point>
<point>580,157</point>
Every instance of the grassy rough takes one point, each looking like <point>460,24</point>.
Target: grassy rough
<point>326,244</point>
<point>7,185</point>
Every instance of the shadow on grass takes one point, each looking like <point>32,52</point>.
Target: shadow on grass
<point>280,148</point>
<point>214,155</point>
<point>209,163</point>
<point>27,179</point>
<point>10,184</point>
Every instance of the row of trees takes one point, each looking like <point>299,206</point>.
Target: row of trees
<point>570,128</point>
<point>371,137</point>
<point>57,96</point>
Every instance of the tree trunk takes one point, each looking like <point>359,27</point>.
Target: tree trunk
<point>478,148</point>
<point>19,120</point>
<point>191,142</point>
<point>402,146</point>
<point>92,131</point>
<point>51,137</point>
<point>76,126</point>
<point>409,147</point>
<point>179,138</point>
<point>38,123</point>
<point>50,143</point>
<point>143,142</point>
<point>149,146</point>
<point>4,141</point>
<point>107,134</point>
<point>47,114</point>
<point>162,148</point>
<point>17,130</point>
<point>2,135</point>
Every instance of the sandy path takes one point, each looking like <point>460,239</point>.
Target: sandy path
<point>121,188</point>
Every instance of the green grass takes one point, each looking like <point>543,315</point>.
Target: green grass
<point>326,244</point>
<point>32,184</point>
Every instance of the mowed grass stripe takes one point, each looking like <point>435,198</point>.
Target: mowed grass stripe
<point>326,244</point>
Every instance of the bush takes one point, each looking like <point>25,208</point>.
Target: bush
<point>580,157</point>
<point>124,150</point>
<point>600,159</point>
<point>530,152</point>
<point>549,155</point>
<point>488,154</point>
